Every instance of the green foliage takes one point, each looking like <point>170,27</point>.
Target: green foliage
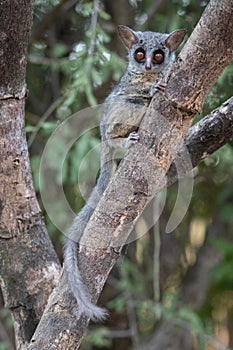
<point>133,286</point>
<point>222,274</point>
<point>90,62</point>
<point>99,338</point>
<point>226,213</point>
<point>35,166</point>
<point>88,142</point>
<point>132,283</point>
<point>6,326</point>
<point>86,67</point>
<point>3,346</point>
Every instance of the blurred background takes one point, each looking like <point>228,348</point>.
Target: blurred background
<point>168,291</point>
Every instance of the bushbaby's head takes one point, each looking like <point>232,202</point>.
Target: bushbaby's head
<point>150,52</point>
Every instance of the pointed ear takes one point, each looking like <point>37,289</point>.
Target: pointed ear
<point>175,39</point>
<point>127,36</point>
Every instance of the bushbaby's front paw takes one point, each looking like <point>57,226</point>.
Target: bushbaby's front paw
<point>160,85</point>
<point>132,139</point>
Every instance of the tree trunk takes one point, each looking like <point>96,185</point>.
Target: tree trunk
<point>29,266</point>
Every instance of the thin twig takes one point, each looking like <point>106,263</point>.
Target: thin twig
<point>124,333</point>
<point>156,260</point>
<point>47,61</point>
<point>94,18</point>
<point>132,321</point>
<point>130,306</point>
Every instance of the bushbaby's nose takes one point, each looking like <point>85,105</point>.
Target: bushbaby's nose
<point>148,64</point>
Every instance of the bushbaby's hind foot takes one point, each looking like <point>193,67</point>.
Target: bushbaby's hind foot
<point>132,139</point>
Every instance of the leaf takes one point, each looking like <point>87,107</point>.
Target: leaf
<point>104,15</point>
<point>192,319</point>
<point>223,246</point>
<point>117,304</point>
<point>226,213</point>
<point>98,337</point>
<point>59,50</point>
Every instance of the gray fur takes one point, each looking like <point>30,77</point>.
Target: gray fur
<point>122,113</point>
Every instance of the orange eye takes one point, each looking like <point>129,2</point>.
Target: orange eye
<point>158,56</point>
<point>139,55</point>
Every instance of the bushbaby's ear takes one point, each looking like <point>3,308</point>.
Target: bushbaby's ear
<point>127,36</point>
<point>175,39</point>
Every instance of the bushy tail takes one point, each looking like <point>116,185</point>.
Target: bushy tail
<point>77,286</point>
<point>75,282</point>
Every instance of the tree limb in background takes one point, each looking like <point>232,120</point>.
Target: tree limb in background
<point>162,132</point>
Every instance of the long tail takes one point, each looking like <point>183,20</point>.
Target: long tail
<point>75,282</point>
<point>77,286</point>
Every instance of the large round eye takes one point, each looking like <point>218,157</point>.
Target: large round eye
<point>140,55</point>
<point>158,56</point>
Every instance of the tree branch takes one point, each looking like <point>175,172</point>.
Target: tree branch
<point>142,172</point>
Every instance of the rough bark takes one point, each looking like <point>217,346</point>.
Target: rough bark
<point>29,266</point>
<point>13,36</point>
<point>142,172</point>
<point>206,53</point>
